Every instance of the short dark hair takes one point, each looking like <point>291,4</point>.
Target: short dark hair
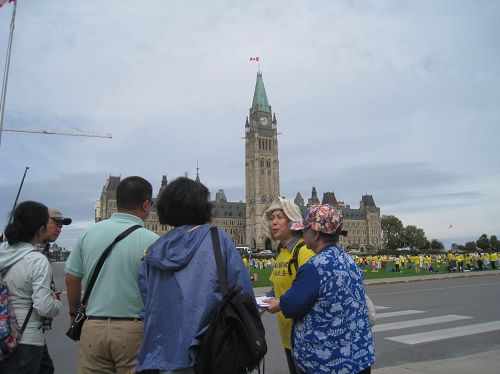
<point>329,238</point>
<point>27,218</point>
<point>132,192</point>
<point>184,202</point>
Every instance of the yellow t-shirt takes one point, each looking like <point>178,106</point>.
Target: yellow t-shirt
<point>282,281</point>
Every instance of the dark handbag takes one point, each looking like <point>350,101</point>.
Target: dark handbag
<point>75,330</point>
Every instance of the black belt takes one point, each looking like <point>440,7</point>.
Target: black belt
<point>99,318</point>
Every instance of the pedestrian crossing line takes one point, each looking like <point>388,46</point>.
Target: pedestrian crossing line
<point>454,332</point>
<point>417,322</point>
<point>400,313</point>
<point>378,307</point>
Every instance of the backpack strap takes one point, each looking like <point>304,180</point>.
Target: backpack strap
<point>25,323</point>
<point>218,261</point>
<point>295,257</point>
<point>30,311</point>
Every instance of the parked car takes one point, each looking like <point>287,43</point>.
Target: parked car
<point>243,249</point>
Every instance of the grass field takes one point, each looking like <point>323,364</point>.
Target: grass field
<point>263,274</point>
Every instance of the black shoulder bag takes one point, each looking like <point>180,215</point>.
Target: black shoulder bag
<point>75,329</point>
<point>235,339</point>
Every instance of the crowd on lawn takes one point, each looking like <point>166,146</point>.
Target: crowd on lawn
<point>417,263</point>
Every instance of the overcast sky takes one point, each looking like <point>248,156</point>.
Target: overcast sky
<point>398,99</point>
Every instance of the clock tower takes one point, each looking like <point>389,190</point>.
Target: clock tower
<point>261,164</point>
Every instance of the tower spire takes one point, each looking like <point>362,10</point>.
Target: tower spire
<point>260,102</point>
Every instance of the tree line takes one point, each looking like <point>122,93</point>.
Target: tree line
<point>395,235</point>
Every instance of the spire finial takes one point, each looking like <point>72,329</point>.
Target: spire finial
<point>197,172</point>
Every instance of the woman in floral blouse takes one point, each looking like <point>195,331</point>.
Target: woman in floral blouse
<point>331,332</point>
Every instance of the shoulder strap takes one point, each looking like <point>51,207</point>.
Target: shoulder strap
<point>103,257</point>
<point>26,320</point>
<point>218,261</point>
<point>25,323</point>
<point>295,257</point>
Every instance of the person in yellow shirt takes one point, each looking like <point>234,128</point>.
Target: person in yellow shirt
<point>293,254</point>
<point>493,260</point>
<point>245,262</point>
<point>397,262</point>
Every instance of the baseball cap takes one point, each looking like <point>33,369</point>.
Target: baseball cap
<point>56,215</point>
<point>322,218</point>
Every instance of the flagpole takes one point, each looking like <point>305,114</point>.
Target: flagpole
<point>6,70</point>
<point>18,192</point>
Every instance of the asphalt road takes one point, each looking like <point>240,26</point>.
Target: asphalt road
<point>442,307</point>
<point>437,311</point>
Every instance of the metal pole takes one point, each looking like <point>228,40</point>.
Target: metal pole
<point>6,70</point>
<point>18,192</point>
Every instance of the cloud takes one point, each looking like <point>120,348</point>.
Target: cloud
<point>395,99</point>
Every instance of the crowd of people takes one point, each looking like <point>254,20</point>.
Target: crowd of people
<point>154,297</point>
<point>428,263</point>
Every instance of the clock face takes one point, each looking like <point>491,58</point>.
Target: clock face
<point>263,121</point>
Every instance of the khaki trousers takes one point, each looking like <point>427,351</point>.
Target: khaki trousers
<point>109,346</point>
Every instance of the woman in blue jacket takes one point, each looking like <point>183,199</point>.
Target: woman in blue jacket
<point>178,279</point>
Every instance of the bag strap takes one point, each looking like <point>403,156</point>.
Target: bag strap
<point>295,256</point>
<point>100,263</point>
<point>218,261</point>
<point>25,323</point>
<point>30,311</point>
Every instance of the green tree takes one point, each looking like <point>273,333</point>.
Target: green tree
<point>392,229</point>
<point>414,238</point>
<point>483,243</point>
<point>494,243</point>
<point>471,247</point>
<point>436,244</point>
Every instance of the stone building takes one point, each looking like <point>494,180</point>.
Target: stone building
<point>242,220</point>
<point>362,224</point>
<point>261,164</point>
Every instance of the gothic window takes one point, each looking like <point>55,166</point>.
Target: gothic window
<point>262,163</point>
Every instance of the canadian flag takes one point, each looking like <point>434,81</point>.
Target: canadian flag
<point>2,2</point>
<point>256,58</point>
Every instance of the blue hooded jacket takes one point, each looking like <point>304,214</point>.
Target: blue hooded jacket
<point>180,289</point>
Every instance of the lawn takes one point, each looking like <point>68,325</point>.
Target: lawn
<point>263,274</point>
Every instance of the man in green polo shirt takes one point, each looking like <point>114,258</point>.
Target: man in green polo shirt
<point>111,336</point>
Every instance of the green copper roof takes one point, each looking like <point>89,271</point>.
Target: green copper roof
<point>260,102</point>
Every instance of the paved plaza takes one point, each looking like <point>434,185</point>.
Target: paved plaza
<point>426,324</point>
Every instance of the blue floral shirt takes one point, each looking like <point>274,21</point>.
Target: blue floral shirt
<point>331,332</point>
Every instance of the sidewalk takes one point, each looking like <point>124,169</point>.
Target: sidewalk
<point>416,278</point>
<point>429,277</point>
<point>485,362</point>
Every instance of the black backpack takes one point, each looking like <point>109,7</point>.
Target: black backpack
<point>235,339</point>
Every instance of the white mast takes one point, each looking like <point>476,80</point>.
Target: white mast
<point>6,70</point>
